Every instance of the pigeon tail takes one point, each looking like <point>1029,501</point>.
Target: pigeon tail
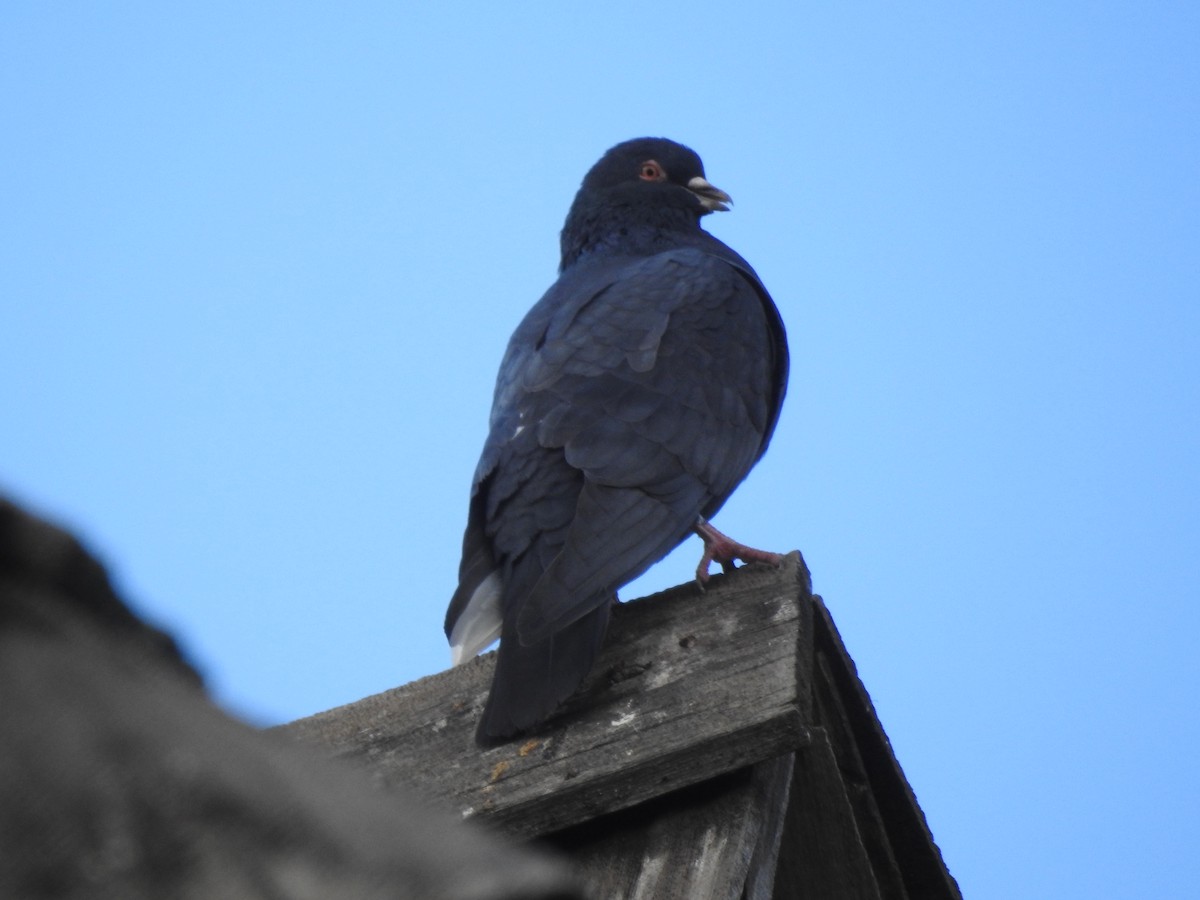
<point>532,681</point>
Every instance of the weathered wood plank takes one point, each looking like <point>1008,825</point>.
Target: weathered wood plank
<point>890,820</point>
<point>710,841</point>
<point>833,718</point>
<point>691,684</point>
<point>775,788</point>
<point>822,854</point>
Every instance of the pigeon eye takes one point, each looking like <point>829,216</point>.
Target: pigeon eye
<point>651,171</point>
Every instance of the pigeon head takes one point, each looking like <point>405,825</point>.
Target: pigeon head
<point>637,192</point>
<point>655,172</point>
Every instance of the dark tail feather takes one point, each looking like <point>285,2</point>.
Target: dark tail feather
<point>532,682</point>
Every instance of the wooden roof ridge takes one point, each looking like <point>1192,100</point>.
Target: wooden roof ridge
<point>722,746</point>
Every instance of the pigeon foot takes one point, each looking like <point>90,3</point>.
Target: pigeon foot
<point>723,549</point>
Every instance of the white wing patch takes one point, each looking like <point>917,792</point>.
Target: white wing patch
<point>520,426</point>
<point>479,623</point>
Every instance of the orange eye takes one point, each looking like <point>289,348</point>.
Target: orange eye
<point>651,171</point>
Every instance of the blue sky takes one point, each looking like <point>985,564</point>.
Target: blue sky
<point>259,263</point>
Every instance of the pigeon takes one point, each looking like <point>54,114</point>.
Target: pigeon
<point>632,399</point>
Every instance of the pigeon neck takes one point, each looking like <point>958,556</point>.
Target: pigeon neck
<point>625,231</point>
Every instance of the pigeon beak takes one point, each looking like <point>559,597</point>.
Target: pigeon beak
<point>713,199</point>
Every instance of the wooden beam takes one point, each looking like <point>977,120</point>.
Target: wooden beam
<point>712,841</point>
<point>906,861</point>
<point>691,685</point>
<point>822,853</point>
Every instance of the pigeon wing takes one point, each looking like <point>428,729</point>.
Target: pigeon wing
<point>659,391</point>
<point>633,397</point>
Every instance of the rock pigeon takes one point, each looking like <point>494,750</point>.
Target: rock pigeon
<point>633,398</point>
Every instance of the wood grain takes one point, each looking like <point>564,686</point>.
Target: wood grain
<point>691,685</point>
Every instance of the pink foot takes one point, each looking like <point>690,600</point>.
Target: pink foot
<point>723,549</point>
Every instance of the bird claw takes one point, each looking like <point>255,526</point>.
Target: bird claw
<point>721,548</point>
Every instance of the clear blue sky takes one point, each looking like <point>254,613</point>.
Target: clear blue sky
<point>259,263</point>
